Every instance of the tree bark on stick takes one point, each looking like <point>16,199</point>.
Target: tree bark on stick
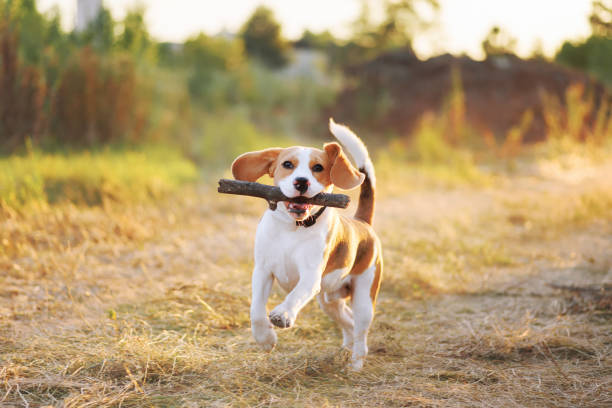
<point>273,194</point>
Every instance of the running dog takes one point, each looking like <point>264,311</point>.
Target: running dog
<point>315,251</point>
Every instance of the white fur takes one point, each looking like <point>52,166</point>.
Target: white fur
<point>333,281</point>
<point>355,148</point>
<point>340,313</point>
<point>294,256</point>
<point>364,313</point>
<point>260,325</point>
<point>302,170</point>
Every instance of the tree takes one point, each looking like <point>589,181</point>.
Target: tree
<point>135,37</point>
<point>101,32</point>
<point>319,41</point>
<point>212,62</point>
<point>263,40</point>
<point>402,20</point>
<point>29,25</point>
<point>601,18</point>
<point>22,88</point>
<point>498,42</point>
<point>594,55</point>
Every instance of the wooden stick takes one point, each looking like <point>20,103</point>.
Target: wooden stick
<point>273,194</point>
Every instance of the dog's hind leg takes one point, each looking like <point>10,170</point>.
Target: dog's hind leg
<point>340,313</point>
<point>363,313</point>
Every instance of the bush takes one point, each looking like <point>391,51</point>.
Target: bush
<point>91,178</point>
<point>215,66</point>
<point>263,40</point>
<point>220,138</point>
<point>593,55</point>
<point>22,94</point>
<point>577,118</point>
<point>113,84</point>
<point>98,101</point>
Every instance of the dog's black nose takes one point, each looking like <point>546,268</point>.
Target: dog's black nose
<point>301,184</point>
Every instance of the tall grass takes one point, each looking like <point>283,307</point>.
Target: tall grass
<point>220,138</point>
<point>92,177</point>
<point>445,149</point>
<point>22,93</point>
<point>99,100</point>
<point>442,147</point>
<point>577,118</point>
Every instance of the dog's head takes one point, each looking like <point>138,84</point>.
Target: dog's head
<point>300,171</point>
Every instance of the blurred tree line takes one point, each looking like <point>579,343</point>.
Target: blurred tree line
<point>594,55</point>
<point>114,83</point>
<point>400,21</point>
<point>73,88</point>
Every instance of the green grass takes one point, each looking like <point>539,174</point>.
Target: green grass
<point>92,177</point>
<point>218,139</point>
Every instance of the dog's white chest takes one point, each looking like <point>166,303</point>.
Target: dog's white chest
<point>287,251</point>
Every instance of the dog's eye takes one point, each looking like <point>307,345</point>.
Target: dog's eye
<point>287,164</point>
<point>317,168</point>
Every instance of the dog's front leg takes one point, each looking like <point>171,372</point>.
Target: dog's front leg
<point>260,325</point>
<point>308,286</point>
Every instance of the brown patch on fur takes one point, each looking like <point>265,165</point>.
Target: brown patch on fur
<point>289,154</point>
<point>351,245</point>
<point>320,157</point>
<point>251,166</point>
<point>365,209</point>
<point>343,173</point>
<point>365,253</point>
<point>377,277</point>
<point>339,257</point>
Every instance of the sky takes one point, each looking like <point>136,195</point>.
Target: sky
<point>461,24</point>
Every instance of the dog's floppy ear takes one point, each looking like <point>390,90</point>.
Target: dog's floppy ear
<point>251,166</point>
<point>342,173</point>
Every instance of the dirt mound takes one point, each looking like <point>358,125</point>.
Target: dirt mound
<point>393,91</point>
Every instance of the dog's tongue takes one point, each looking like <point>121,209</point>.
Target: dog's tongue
<point>299,207</point>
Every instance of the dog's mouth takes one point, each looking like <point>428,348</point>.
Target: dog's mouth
<point>297,210</point>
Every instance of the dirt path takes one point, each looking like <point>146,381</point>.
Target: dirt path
<point>148,305</point>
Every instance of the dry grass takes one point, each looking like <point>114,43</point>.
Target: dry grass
<point>147,305</point>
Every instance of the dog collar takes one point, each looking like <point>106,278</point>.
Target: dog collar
<point>310,221</point>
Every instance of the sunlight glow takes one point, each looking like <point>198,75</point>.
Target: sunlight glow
<point>461,27</point>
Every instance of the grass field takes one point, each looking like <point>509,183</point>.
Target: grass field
<point>92,178</point>
<point>146,303</point>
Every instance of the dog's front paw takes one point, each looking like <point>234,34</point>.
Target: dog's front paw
<point>281,318</point>
<point>357,364</point>
<point>347,340</point>
<point>264,335</point>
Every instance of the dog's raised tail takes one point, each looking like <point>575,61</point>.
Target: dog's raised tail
<point>357,150</point>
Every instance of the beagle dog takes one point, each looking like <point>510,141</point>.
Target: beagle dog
<point>314,251</point>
